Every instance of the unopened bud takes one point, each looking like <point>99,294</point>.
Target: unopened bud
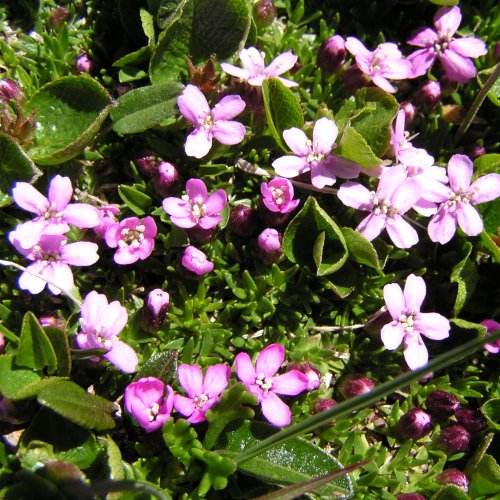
<point>322,404</point>
<point>312,373</point>
<point>196,261</point>
<point>471,420</point>
<point>156,308</point>
<point>428,95</point>
<point>147,163</point>
<point>454,439</point>
<point>455,477</point>
<point>199,235</point>
<point>331,54</point>
<point>242,220</point>
<point>414,425</point>
<point>58,16</point>
<point>410,112</point>
<point>84,64</point>
<point>264,12</point>
<point>355,384</point>
<point>107,216</point>
<point>474,151</point>
<point>165,178</point>
<point>269,244</point>
<point>442,404</point>
<point>10,90</point>
<point>410,496</point>
<point>353,79</point>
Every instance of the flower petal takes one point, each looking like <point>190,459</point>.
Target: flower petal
<point>191,379</point>
<point>196,189</point>
<point>421,60</point>
<point>29,198</point>
<point>60,275</point>
<point>81,253</point>
<point>244,368</point>
<point>113,320</point>
<point>94,309</point>
<point>406,195</point>
<point>469,220</point>
<point>356,47</point>
<point>414,292</point>
<point>442,226</point>
<point>81,215</point>
<point>486,188</point>
<point>468,46</point>
<point>392,335</point>
<point>269,360</point>
<point>31,283</point>
<point>241,73</point>
<point>415,352</point>
<point>290,383</point>
<point>370,227</point>
<point>457,68</point>
<point>297,141</point>
<point>402,234</point>
<point>460,170</point>
<point>183,405</point>
<point>126,255</point>
<point>198,143</point>
<point>433,325</point>
<point>356,195</point>
<point>290,166</point>
<point>324,134</point>
<point>344,168</point>
<point>447,20</point>
<point>216,202</point>
<point>60,192</point>
<point>193,105</point>
<point>228,107</point>
<point>322,175</point>
<point>216,380</point>
<point>394,300</point>
<point>275,410</point>
<point>122,356</point>
<point>228,132</point>
<point>281,64</point>
<point>426,37</point>
<point>383,83</point>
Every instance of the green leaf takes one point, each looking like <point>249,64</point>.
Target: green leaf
<point>77,405</point>
<point>360,249</point>
<point>219,27</point>
<point>169,12</point>
<point>138,56</point>
<point>354,147</point>
<point>491,246</point>
<point>12,379</point>
<point>491,410</point>
<point>451,492</point>
<point>35,350</point>
<point>485,480</point>
<point>145,107</point>
<point>312,238</point>
<point>15,165</point>
<point>148,25</point>
<point>468,325</point>
<point>136,200</point>
<point>114,461</point>
<point>180,438</point>
<point>218,469</point>
<point>486,164</point>
<point>293,461</point>
<point>59,340</point>
<point>446,3</point>
<point>494,92</point>
<point>282,107</point>
<point>466,276</point>
<point>69,112</point>
<point>162,365</point>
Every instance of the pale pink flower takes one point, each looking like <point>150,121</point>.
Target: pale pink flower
<point>134,238</point>
<point>263,383</point>
<point>269,242</point>
<point>146,401</point>
<point>54,214</point>
<point>395,195</point>
<point>101,323</point>
<point>458,198</point>
<point>157,305</point>
<point>196,208</point>
<point>107,216</point>
<point>209,123</point>
<point>277,195</point>
<point>453,53</point>
<point>203,392</point>
<point>409,323</point>
<point>315,156</point>
<point>386,61</point>
<point>492,326</point>
<point>196,261</point>
<point>255,71</point>
<point>52,259</point>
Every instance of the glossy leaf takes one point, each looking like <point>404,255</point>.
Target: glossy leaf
<point>494,92</point>
<point>491,410</point>
<point>13,379</point>
<point>59,340</point>
<point>136,200</point>
<point>466,276</point>
<point>69,112</point>
<point>353,146</point>
<point>485,481</point>
<point>162,365</point>
<point>360,249</point>
<point>451,492</point>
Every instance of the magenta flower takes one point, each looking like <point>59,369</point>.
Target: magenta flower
<point>269,242</point>
<point>492,326</point>
<point>145,400</point>
<point>386,61</point>
<point>409,323</point>
<point>254,70</point>
<point>52,259</point>
<point>315,156</point>
<point>134,238</point>
<point>196,208</point>
<point>277,195</point>
<point>196,261</point>
<point>101,323</point>
<point>210,123</point>
<point>395,195</point>
<point>453,53</point>
<point>203,393</point>
<point>262,382</point>
<point>54,214</point>
<point>458,198</point>
<point>107,216</point>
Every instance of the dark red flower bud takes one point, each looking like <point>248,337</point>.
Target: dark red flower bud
<point>264,12</point>
<point>414,425</point>
<point>58,16</point>
<point>199,235</point>
<point>84,64</point>
<point>322,404</point>
<point>453,476</point>
<point>147,163</point>
<point>10,90</point>
<point>410,112</point>
<point>165,178</point>
<point>471,420</point>
<point>410,496</point>
<point>428,95</point>
<point>331,54</point>
<point>454,439</point>
<point>353,79</point>
<point>242,220</point>
<point>442,404</point>
<point>474,151</point>
<point>355,384</point>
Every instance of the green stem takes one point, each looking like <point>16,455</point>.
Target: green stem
<point>367,399</point>
<point>477,102</point>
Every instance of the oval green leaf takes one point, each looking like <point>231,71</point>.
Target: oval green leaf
<point>12,379</point>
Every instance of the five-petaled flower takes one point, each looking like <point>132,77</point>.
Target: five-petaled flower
<point>386,61</point>
<point>409,323</point>
<point>265,385</point>
<point>203,392</point>
<point>210,123</point>
<point>315,155</point>
<point>255,71</point>
<point>101,323</point>
<point>146,401</point>
<point>277,195</point>
<point>55,213</point>
<point>458,198</point>
<point>196,208</point>
<point>133,237</point>
<point>453,53</point>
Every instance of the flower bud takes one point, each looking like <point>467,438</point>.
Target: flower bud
<point>312,374</point>
<point>242,220</point>
<point>414,425</point>
<point>442,404</point>
<point>355,384</point>
<point>448,86</point>
<point>196,261</point>
<point>474,151</point>
<point>331,54</point>
<point>84,64</point>
<point>199,235</point>
<point>58,16</point>
<point>322,404</point>
<point>410,112</point>
<point>410,496</point>
<point>353,79</point>
<point>147,163</point>
<point>454,439</point>
<point>10,90</point>
<point>156,308</point>
<point>471,420</point>
<point>492,326</point>
<point>165,178</point>
<point>52,320</point>
<point>455,477</point>
<point>496,52</point>
<point>264,12</point>
<point>269,244</point>
<point>428,95</point>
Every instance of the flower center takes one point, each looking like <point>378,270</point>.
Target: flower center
<point>442,44</point>
<point>460,197</point>
<point>265,383</point>
<point>133,237</point>
<point>206,122</point>
<point>278,195</point>
<point>199,401</point>
<point>407,321</point>
<point>153,412</point>
<point>198,208</point>
<point>46,257</point>
<point>52,213</point>
<point>314,155</point>
<point>383,206</point>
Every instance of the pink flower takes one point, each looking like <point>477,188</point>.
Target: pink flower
<point>54,214</point>
<point>52,259</point>
<point>269,243</point>
<point>492,326</point>
<point>254,70</point>
<point>277,196</point>
<point>145,400</point>
<point>196,208</point>
<point>196,261</point>
<point>262,382</point>
<point>458,198</point>
<point>106,218</point>
<point>101,323</point>
<point>203,393</point>
<point>315,156</point>
<point>395,195</point>
<point>453,53</point>
<point>409,323</point>
<point>157,305</point>
<point>386,61</point>
<point>210,123</point>
<point>133,237</point>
